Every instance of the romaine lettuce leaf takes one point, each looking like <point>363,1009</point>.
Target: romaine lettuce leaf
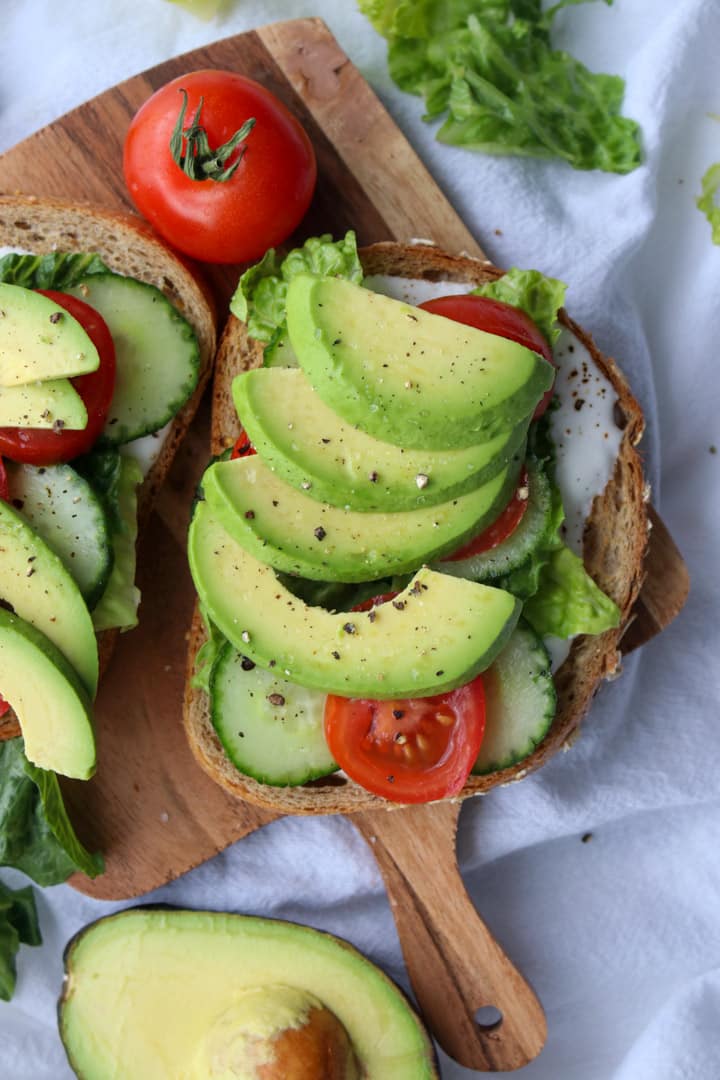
<point>18,925</point>
<point>538,296</point>
<point>259,299</point>
<point>490,66</point>
<point>36,835</point>
<point>709,201</point>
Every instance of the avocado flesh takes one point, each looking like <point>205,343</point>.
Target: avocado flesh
<point>407,376</point>
<point>43,405</point>
<point>436,635</point>
<point>34,582</point>
<point>147,993</point>
<point>298,535</point>
<point>39,340</point>
<point>307,443</point>
<point>48,699</point>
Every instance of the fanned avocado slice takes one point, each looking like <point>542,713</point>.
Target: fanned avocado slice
<point>205,996</point>
<point>299,535</point>
<point>51,705</point>
<point>405,375</point>
<point>315,450</point>
<point>437,634</point>
<point>38,588</point>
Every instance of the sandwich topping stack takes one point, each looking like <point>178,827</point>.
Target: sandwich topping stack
<point>382,556</point>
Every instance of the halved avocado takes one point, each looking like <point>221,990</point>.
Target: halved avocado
<point>51,706</point>
<point>407,376</point>
<point>437,634</point>
<point>312,448</point>
<point>199,995</point>
<point>296,534</point>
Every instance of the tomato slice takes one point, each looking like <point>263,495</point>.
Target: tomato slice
<point>412,750</point>
<point>503,526</point>
<point>499,318</point>
<point>243,447</point>
<point>41,447</point>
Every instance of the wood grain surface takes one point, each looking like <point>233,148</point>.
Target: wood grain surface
<point>150,808</point>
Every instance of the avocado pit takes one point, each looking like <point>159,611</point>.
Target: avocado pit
<point>277,1033</point>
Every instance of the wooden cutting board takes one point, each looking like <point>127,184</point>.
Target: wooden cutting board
<point>150,808</point>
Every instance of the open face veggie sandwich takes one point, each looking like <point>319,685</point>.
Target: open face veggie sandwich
<point>106,340</point>
<point>419,543</point>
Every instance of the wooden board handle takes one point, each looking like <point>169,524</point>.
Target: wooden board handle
<point>455,965</point>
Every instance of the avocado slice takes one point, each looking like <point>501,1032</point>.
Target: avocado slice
<point>51,404</point>
<point>203,995</point>
<point>51,704</point>
<point>437,634</point>
<point>38,588</point>
<point>407,376</point>
<point>298,535</point>
<point>40,340</point>
<point>312,448</point>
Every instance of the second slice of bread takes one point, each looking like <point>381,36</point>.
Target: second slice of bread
<point>127,246</point>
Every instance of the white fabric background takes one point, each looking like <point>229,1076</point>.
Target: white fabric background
<point>620,936</point>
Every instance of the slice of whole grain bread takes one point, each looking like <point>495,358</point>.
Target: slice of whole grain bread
<point>128,246</point>
<point>615,539</point>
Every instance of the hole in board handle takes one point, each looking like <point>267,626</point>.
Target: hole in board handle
<point>488,1018</point>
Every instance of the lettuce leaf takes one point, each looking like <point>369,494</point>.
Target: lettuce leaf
<point>59,270</point>
<point>490,68</point>
<point>709,201</point>
<point>36,835</point>
<point>18,925</point>
<point>568,601</point>
<point>207,653</point>
<point>538,296</point>
<point>259,299</point>
<point>118,605</point>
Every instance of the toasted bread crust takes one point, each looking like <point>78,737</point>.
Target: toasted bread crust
<point>127,245</point>
<point>614,546</point>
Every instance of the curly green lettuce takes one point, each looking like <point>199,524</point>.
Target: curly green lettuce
<point>259,299</point>
<point>489,68</point>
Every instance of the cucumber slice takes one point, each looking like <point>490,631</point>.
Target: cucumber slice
<point>520,701</point>
<point>270,729</point>
<point>157,354</point>
<point>513,552</point>
<point>62,508</point>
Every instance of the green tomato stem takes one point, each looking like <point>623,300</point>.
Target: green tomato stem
<point>199,161</point>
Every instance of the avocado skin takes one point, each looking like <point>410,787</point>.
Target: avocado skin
<point>289,948</point>
<point>404,375</point>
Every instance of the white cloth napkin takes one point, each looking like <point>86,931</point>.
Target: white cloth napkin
<point>620,935</point>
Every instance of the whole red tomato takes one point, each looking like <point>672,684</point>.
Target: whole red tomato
<point>254,180</point>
